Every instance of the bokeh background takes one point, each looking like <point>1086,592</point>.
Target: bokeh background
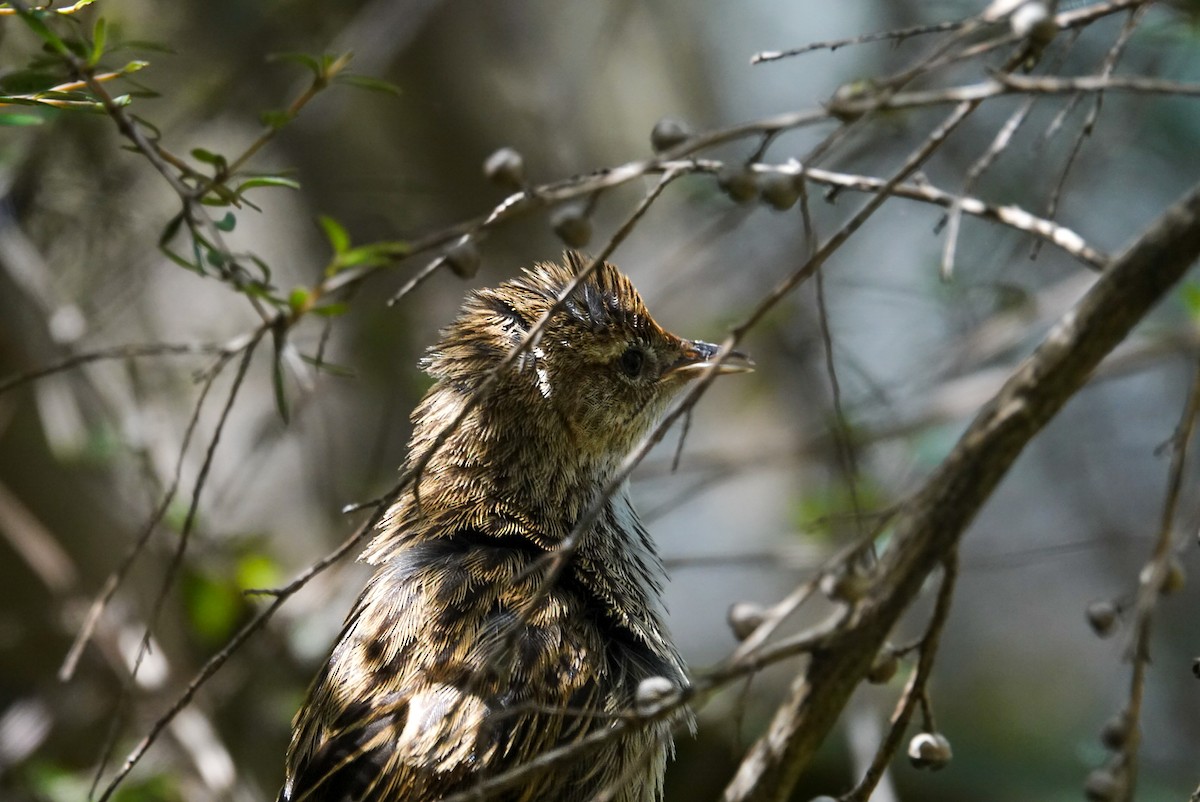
<point>1022,686</point>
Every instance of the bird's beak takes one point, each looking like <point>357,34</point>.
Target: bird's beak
<point>698,356</point>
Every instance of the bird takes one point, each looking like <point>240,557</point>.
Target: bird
<point>464,659</point>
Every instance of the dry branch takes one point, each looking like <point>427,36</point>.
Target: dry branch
<point>933,521</point>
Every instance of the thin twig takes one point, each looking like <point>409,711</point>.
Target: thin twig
<point>834,44</point>
<point>115,352</point>
<point>176,562</point>
<point>981,165</point>
<point>1151,584</point>
<point>1089,123</point>
<point>113,582</point>
<point>915,689</point>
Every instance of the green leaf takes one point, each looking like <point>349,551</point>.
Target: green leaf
<point>303,59</point>
<point>36,22</point>
<point>275,118</point>
<point>214,607</point>
<point>263,267</point>
<point>339,240</point>
<point>27,82</point>
<point>257,572</point>
<point>279,334</point>
<point>144,44</point>
<point>373,255</point>
<point>16,119</point>
<point>170,229</point>
<point>332,310</point>
<point>1190,294</point>
<point>368,83</point>
<point>208,157</point>
<point>99,39</point>
<point>267,181</point>
<point>227,222</point>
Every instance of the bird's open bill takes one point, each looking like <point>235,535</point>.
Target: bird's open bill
<point>698,356</point>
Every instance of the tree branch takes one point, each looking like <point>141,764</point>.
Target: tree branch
<point>933,521</point>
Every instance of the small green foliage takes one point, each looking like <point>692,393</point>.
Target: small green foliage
<point>831,510</point>
<point>226,223</point>
<point>18,119</point>
<point>298,300</point>
<point>28,81</point>
<point>176,516</point>
<point>339,240</point>
<point>35,19</point>
<point>274,119</point>
<point>54,782</point>
<point>1189,293</point>
<point>332,310</point>
<point>214,606</point>
<point>208,157</point>
<point>279,337</point>
<point>374,255</point>
<point>256,571</point>
<point>324,68</point>
<point>99,40</point>
<point>312,63</point>
<point>266,180</point>
<point>368,83</point>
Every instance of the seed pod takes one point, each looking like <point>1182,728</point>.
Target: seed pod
<point>884,668</point>
<point>669,132</point>
<point>463,258</point>
<point>1101,785</point>
<point>505,168</point>
<point>744,618</point>
<point>1175,579</point>
<point>738,183</point>
<point>572,226</point>
<point>1102,617</point>
<point>845,585</point>
<point>1033,20</point>
<point>929,750</point>
<point>779,190</point>
<point>1115,732</point>
<point>653,693</point>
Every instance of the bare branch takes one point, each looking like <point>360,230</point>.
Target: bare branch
<point>935,518</point>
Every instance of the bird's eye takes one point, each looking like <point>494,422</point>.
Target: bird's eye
<point>632,361</point>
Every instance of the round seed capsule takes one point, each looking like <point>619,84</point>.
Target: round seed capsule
<point>505,168</point>
<point>463,258</point>
<point>1102,617</point>
<point>779,190</point>
<point>1101,785</point>
<point>884,668</point>
<point>738,183</point>
<point>572,226</point>
<point>929,750</point>
<point>744,618</point>
<point>669,132</point>
<point>652,694</point>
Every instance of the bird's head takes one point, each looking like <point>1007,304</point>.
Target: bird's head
<point>601,374</point>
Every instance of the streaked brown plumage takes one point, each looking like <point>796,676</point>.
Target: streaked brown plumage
<point>456,663</point>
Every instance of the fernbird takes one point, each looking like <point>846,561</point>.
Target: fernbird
<point>460,661</point>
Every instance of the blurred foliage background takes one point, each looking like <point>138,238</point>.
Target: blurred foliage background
<point>1022,687</point>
